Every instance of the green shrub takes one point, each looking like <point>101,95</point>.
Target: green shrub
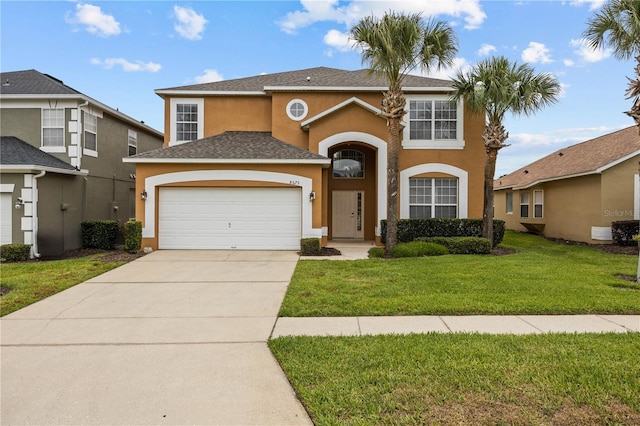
<point>411,229</point>
<point>100,234</point>
<point>132,236</point>
<point>376,252</point>
<point>461,245</point>
<point>310,247</point>
<point>15,252</point>
<point>418,249</point>
<point>623,231</point>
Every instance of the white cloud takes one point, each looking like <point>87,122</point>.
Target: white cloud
<point>190,24</point>
<point>536,52</point>
<point>339,41</point>
<point>459,64</point>
<point>350,12</point>
<point>96,21</point>
<point>486,49</point>
<point>127,66</point>
<point>587,53</point>
<point>209,76</point>
<point>593,4</point>
<point>568,62</point>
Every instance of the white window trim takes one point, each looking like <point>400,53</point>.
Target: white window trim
<point>433,204</point>
<point>463,186</point>
<point>540,204</point>
<point>304,114</point>
<point>458,143</point>
<point>62,148</point>
<point>528,204</point>
<point>85,150</point>
<point>131,133</point>
<point>173,138</point>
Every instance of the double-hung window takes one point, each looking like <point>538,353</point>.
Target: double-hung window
<point>90,134</point>
<point>524,204</point>
<point>132,142</point>
<point>538,201</point>
<point>433,122</point>
<point>509,202</point>
<point>53,129</point>
<point>433,198</point>
<point>187,120</point>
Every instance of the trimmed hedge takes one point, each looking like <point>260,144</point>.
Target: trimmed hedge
<point>418,249</point>
<point>15,252</point>
<point>411,229</point>
<point>623,231</point>
<point>461,245</point>
<point>310,247</point>
<point>132,236</point>
<point>100,234</point>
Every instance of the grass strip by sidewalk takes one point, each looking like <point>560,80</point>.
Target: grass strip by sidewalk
<point>465,378</point>
<point>543,277</point>
<point>33,281</point>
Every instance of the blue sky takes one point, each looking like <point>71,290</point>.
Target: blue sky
<point>118,52</point>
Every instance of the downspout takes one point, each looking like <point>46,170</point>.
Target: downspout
<point>80,134</point>
<point>34,217</point>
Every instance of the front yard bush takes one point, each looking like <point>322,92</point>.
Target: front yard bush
<point>418,249</point>
<point>310,247</point>
<point>376,252</point>
<point>411,229</point>
<point>132,236</point>
<point>462,245</point>
<point>15,252</point>
<point>100,234</point>
<point>623,231</point>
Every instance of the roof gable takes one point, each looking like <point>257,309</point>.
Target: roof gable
<point>16,153</point>
<point>351,101</point>
<point>590,157</point>
<point>232,147</point>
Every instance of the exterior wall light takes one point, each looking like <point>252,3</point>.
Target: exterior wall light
<point>19,203</point>
<point>312,196</point>
<point>143,194</point>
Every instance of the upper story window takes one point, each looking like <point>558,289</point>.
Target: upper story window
<point>90,134</point>
<point>348,164</point>
<point>297,109</point>
<point>53,129</point>
<point>187,120</point>
<point>433,198</point>
<point>433,122</point>
<point>132,142</point>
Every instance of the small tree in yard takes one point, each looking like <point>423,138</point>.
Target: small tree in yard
<point>392,47</point>
<point>494,87</point>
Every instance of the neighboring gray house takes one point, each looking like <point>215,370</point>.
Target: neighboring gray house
<point>61,162</point>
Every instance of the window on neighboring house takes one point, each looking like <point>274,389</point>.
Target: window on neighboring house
<point>524,204</point>
<point>538,201</point>
<point>90,132</point>
<point>433,122</point>
<point>510,202</point>
<point>53,128</point>
<point>186,122</point>
<point>348,164</point>
<point>132,142</point>
<point>433,198</point>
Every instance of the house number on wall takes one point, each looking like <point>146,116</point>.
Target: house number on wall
<point>294,182</point>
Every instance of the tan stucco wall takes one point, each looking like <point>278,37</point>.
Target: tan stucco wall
<point>618,192</point>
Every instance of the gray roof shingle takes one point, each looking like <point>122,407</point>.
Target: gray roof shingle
<point>583,158</point>
<point>16,152</point>
<point>32,82</point>
<point>234,146</point>
<point>319,77</point>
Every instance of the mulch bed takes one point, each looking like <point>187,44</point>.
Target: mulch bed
<point>325,251</point>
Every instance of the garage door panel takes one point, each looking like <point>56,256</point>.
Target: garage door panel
<point>229,218</point>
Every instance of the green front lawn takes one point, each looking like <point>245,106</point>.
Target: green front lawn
<point>465,379</point>
<point>33,281</point>
<point>543,277</point>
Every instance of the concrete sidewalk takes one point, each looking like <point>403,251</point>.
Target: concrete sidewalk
<point>507,324</point>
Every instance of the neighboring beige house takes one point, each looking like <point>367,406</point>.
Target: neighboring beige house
<point>61,162</point>
<point>261,162</point>
<point>576,192</point>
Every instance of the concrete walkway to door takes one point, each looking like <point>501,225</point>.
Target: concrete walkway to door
<point>175,337</point>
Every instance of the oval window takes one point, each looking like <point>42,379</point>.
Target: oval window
<point>297,109</point>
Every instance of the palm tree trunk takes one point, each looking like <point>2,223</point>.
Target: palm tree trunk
<point>392,185</point>
<point>487,214</point>
<point>633,92</point>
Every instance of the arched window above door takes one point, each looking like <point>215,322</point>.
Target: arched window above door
<point>348,164</point>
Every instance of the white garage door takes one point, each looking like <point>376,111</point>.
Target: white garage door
<point>229,218</point>
<point>5,218</point>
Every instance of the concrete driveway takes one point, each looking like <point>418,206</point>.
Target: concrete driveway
<point>175,337</point>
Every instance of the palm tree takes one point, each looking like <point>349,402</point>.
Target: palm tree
<point>392,47</point>
<point>494,87</point>
<point>617,25</point>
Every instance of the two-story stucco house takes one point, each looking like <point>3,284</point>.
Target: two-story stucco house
<point>261,162</point>
<point>61,162</point>
<point>576,192</point>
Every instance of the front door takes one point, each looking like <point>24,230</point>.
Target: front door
<point>347,214</point>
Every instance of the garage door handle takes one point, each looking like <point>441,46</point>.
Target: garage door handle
<point>229,224</point>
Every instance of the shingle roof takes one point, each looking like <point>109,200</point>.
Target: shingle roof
<point>32,82</point>
<point>584,158</point>
<point>16,152</point>
<point>319,77</point>
<point>233,146</point>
